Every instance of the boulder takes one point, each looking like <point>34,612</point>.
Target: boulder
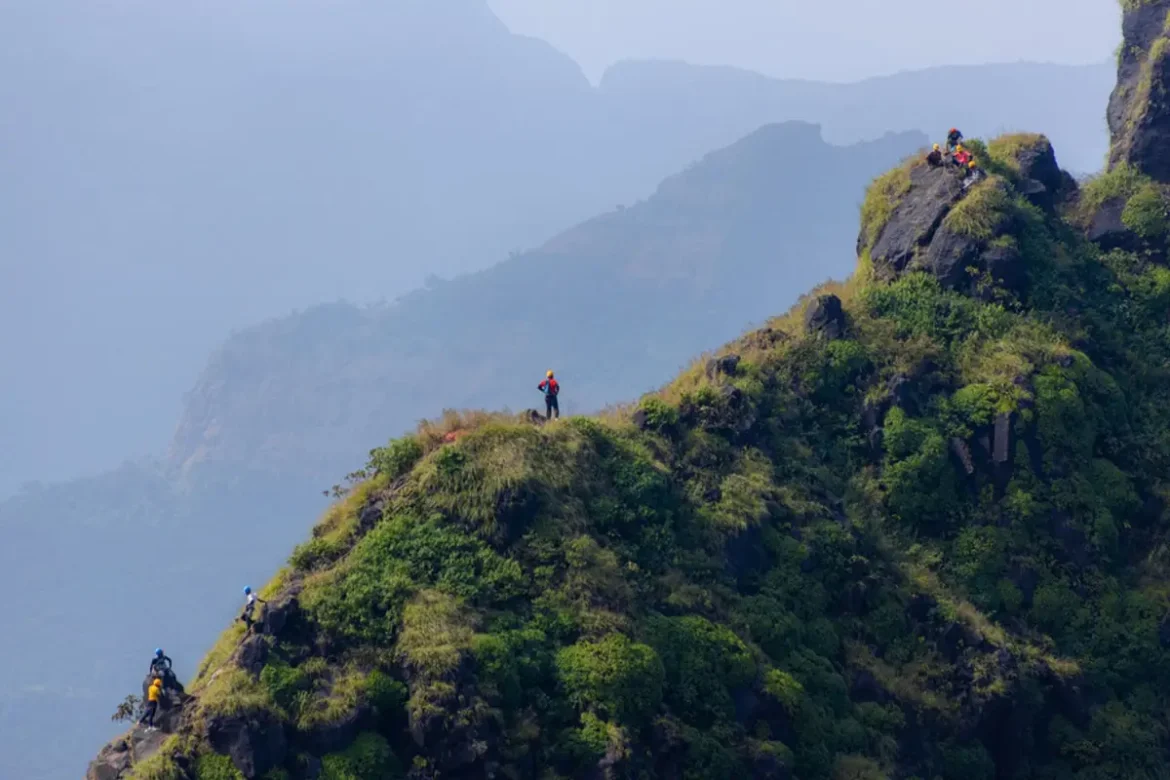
<point>1004,264</point>
<point>285,607</point>
<point>963,453</point>
<point>251,654</point>
<point>254,741</point>
<point>824,316</point>
<point>949,256</point>
<point>913,222</point>
<point>1108,231</point>
<point>336,735</point>
<point>725,365</point>
<point>1003,437</point>
<point>111,763</point>
<point>1037,162</point>
<point>1139,122</point>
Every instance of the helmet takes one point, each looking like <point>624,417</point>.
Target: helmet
<point>247,589</point>
<point>158,653</point>
<point>972,163</point>
<point>549,373</point>
<point>157,682</point>
<point>954,130</point>
<point>936,147</point>
<point>958,147</point>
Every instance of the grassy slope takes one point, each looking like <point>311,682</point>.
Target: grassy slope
<point>749,581</point>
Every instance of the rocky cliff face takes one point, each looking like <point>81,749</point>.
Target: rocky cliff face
<point>1139,108</point>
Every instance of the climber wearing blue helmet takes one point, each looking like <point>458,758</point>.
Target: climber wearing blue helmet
<point>160,666</point>
<point>160,663</point>
<point>250,606</point>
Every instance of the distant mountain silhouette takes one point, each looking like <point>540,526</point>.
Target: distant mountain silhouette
<point>174,173</point>
<point>615,304</point>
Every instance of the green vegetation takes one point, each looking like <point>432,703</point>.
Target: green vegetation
<point>849,559</point>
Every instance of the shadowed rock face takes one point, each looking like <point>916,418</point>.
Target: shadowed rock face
<point>920,234</point>
<point>916,218</point>
<point>1139,114</point>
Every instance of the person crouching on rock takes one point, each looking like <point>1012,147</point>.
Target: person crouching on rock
<point>934,159</point>
<point>551,389</point>
<point>153,695</point>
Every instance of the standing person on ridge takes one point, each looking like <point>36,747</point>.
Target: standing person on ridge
<point>250,606</point>
<point>954,138</point>
<point>551,388</point>
<point>153,694</point>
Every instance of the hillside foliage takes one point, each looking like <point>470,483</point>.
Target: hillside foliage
<point>933,546</point>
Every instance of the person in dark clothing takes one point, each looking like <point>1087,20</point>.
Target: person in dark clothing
<point>954,138</point>
<point>551,388</point>
<point>934,159</point>
<point>160,666</point>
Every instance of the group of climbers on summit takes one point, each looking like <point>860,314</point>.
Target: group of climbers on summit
<point>956,154</point>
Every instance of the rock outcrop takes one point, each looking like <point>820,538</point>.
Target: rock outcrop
<point>915,219</point>
<point>1139,114</point>
<point>255,741</point>
<point>959,230</point>
<point>824,316</point>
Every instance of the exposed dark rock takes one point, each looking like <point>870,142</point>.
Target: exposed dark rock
<point>334,736</point>
<point>1005,265</point>
<point>933,191</point>
<point>281,610</point>
<point>371,514</point>
<point>1036,193</point>
<point>871,424</point>
<point>532,416</point>
<point>825,316</point>
<point>963,453</point>
<point>251,654</point>
<point>900,390</point>
<point>111,763</point>
<point>949,256</point>
<point>725,365</point>
<point>866,687</point>
<point>1107,229</point>
<point>255,742</point>
<point>1037,162</point>
<point>1003,436</point>
<point>641,419</point>
<point>1139,120</point>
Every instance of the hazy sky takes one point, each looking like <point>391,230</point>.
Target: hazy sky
<point>785,37</point>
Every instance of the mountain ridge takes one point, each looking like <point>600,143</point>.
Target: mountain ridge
<point>913,528</point>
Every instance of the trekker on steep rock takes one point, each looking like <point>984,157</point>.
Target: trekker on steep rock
<point>954,140</point>
<point>153,695</point>
<point>551,389</point>
<point>935,157</point>
<point>250,600</point>
<point>160,666</point>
